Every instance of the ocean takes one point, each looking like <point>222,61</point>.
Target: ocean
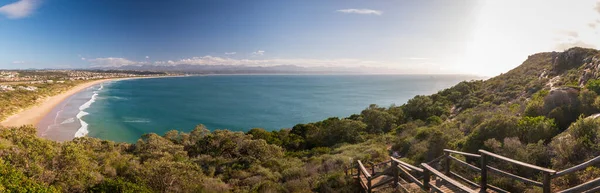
<point>124,110</point>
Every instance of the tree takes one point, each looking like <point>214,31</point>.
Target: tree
<point>335,130</point>
<point>377,120</point>
<point>419,107</point>
<point>498,127</point>
<point>587,99</point>
<point>534,129</point>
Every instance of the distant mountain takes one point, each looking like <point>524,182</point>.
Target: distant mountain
<point>242,69</point>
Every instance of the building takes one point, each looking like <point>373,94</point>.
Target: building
<point>6,88</point>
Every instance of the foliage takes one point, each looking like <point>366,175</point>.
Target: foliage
<point>579,142</point>
<point>534,129</point>
<point>593,85</point>
<point>12,180</point>
<point>14,101</point>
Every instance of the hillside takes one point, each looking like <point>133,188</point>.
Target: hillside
<point>535,113</point>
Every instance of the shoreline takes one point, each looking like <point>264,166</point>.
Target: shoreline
<point>34,114</point>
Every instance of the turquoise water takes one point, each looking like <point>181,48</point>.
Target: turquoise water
<point>124,110</point>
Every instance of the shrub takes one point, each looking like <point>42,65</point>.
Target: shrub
<point>498,127</point>
<point>12,180</point>
<point>578,143</point>
<point>593,85</point>
<point>377,120</point>
<point>118,185</point>
<point>534,129</point>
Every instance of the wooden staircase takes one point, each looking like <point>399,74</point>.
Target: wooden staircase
<point>436,175</point>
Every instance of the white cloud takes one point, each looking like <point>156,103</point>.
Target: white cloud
<point>258,53</point>
<point>147,57</point>
<point>18,62</point>
<point>339,63</point>
<point>211,60</point>
<point>82,58</point>
<point>113,62</point>
<point>568,33</point>
<point>361,11</point>
<point>561,46</point>
<point>230,53</point>
<point>592,25</point>
<point>20,9</point>
<point>417,58</point>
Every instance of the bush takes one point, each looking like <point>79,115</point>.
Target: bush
<point>534,129</point>
<point>118,185</point>
<point>587,99</point>
<point>578,143</point>
<point>377,120</point>
<point>12,180</point>
<point>498,127</point>
<point>593,85</point>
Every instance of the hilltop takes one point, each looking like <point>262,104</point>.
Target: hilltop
<point>542,112</point>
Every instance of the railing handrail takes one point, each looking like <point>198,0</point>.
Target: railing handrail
<point>515,177</point>
<point>363,169</point>
<point>472,167</point>
<point>426,169</point>
<point>447,179</point>
<point>410,176</point>
<point>407,165</point>
<point>380,163</point>
<point>550,171</point>
<point>436,160</point>
<point>462,153</point>
<point>583,187</point>
<point>577,167</point>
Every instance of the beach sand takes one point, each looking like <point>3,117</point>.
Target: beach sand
<point>33,115</point>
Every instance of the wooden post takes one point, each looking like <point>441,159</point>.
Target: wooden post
<point>368,185</point>
<point>547,182</point>
<point>372,168</point>
<point>447,163</point>
<point>346,171</point>
<point>426,178</point>
<point>483,173</point>
<point>358,171</point>
<point>395,172</point>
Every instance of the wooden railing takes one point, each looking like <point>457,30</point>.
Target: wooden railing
<point>410,172</point>
<point>427,176</point>
<point>374,166</point>
<point>485,155</point>
<point>362,172</point>
<point>591,186</point>
<point>365,178</point>
<point>421,176</point>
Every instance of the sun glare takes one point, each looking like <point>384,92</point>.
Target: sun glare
<point>506,32</point>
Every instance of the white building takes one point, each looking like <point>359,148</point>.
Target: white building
<point>6,88</point>
<point>29,88</point>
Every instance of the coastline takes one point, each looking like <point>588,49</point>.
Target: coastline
<point>34,114</point>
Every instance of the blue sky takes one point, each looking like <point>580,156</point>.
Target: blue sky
<point>427,36</point>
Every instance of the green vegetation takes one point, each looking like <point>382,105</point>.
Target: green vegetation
<point>13,101</point>
<point>593,85</point>
<point>535,113</point>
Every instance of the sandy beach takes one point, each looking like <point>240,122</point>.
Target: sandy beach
<point>33,115</point>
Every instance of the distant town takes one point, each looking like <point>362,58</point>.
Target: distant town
<point>27,80</point>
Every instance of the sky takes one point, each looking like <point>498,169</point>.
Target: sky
<point>481,37</point>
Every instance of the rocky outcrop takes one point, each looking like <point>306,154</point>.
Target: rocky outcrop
<point>572,58</point>
<point>587,61</point>
<point>560,96</point>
